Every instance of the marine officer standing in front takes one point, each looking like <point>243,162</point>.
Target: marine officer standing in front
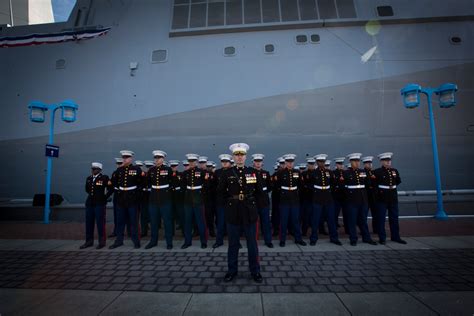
<point>128,178</point>
<point>387,179</point>
<point>96,186</point>
<point>241,187</point>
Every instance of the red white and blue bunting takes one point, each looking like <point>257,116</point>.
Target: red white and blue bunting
<point>51,38</point>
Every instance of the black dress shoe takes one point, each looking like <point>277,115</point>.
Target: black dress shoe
<point>312,243</point>
<point>185,246</point>
<point>257,277</point>
<point>217,245</point>
<point>282,244</point>
<point>86,245</point>
<point>115,245</point>
<point>150,245</point>
<point>370,242</point>
<point>269,245</point>
<point>400,241</point>
<point>100,246</point>
<point>203,246</point>
<point>230,276</point>
<point>382,242</point>
<point>353,243</point>
<point>336,242</point>
<point>301,242</point>
<point>169,247</point>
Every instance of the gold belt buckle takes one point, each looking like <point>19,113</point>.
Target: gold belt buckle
<point>241,197</point>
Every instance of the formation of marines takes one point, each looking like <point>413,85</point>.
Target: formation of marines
<point>235,200</point>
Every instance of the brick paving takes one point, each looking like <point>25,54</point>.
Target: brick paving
<point>284,272</point>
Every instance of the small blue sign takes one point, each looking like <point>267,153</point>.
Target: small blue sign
<point>52,151</point>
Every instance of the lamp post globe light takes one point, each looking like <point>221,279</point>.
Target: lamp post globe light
<point>37,113</point>
<point>447,98</point>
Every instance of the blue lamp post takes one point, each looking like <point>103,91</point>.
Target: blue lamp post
<point>37,115</point>
<point>447,98</point>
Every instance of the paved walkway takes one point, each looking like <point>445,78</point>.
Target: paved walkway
<point>429,275</point>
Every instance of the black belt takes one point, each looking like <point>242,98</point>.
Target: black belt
<point>241,197</point>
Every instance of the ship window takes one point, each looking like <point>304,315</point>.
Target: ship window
<point>198,15</point>
<point>385,10</point>
<point>327,9</point>
<point>60,64</point>
<point>301,39</point>
<point>181,1</point>
<point>270,11</point>
<point>233,12</point>
<point>229,51</point>
<point>159,56</point>
<point>315,38</point>
<point>346,9</point>
<point>308,10</point>
<point>180,16</point>
<point>269,48</point>
<point>456,40</point>
<point>215,13</point>
<point>289,10</point>
<point>252,11</point>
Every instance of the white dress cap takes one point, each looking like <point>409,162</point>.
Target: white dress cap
<point>139,163</point>
<point>127,153</point>
<point>159,153</point>
<point>320,157</point>
<point>225,157</point>
<point>289,157</point>
<point>354,156</point>
<point>174,163</point>
<point>367,159</point>
<point>96,165</point>
<point>385,156</point>
<point>118,160</point>
<point>310,160</point>
<point>202,159</point>
<point>149,163</point>
<point>327,163</point>
<point>339,160</point>
<point>241,148</point>
<point>258,156</point>
<point>192,157</point>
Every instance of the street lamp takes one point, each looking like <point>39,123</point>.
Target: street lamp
<point>37,115</point>
<point>447,98</point>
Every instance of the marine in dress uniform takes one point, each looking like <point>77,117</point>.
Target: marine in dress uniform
<point>320,181</point>
<point>367,161</point>
<point>160,181</point>
<point>118,163</point>
<point>176,197</point>
<point>193,182</point>
<point>145,194</point>
<point>305,198</point>
<point>386,181</point>
<point>210,201</point>
<point>263,200</point>
<point>219,200</point>
<point>276,199</point>
<point>240,187</point>
<point>128,178</point>
<point>338,193</point>
<point>356,182</point>
<point>96,186</point>
<point>289,181</point>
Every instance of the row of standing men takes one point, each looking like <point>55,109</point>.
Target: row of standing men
<point>300,199</point>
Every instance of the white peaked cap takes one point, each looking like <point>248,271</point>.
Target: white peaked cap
<point>192,156</point>
<point>239,148</point>
<point>367,159</point>
<point>174,163</point>
<point>202,159</point>
<point>118,160</point>
<point>148,163</point>
<point>289,157</point>
<point>258,156</point>
<point>354,156</point>
<point>127,153</point>
<point>159,153</point>
<point>387,155</point>
<point>321,157</point>
<point>225,157</point>
<point>96,165</point>
<point>139,163</point>
<point>339,160</point>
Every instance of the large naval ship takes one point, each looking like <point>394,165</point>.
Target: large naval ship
<point>299,76</point>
